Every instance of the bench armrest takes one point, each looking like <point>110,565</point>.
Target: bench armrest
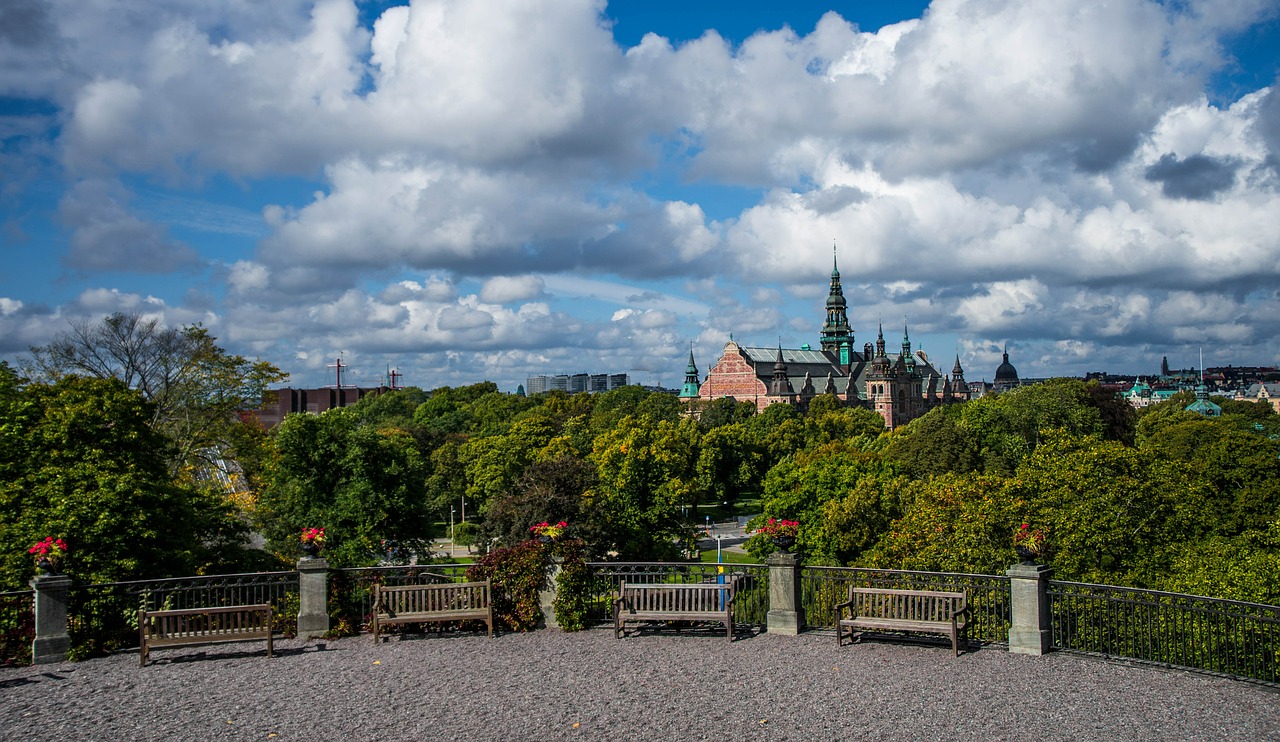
<point>841,606</point>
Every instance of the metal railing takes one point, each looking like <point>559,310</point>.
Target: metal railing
<point>351,590</point>
<point>823,588</point>
<point>751,598</point>
<point>102,618</point>
<point>17,627</point>
<point>1211,634</point>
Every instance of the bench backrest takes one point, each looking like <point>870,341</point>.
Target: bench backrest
<point>677,598</point>
<point>227,620</point>
<point>911,605</point>
<point>431,598</point>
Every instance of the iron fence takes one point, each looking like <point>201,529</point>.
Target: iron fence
<point>351,590</point>
<point>103,618</point>
<point>823,588</point>
<point>751,597</point>
<point>1212,634</point>
<point>17,627</point>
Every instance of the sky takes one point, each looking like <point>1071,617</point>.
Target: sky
<point>472,191</point>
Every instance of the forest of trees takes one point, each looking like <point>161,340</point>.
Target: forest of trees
<point>1161,499</point>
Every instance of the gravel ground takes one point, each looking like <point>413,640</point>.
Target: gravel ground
<point>686,685</point>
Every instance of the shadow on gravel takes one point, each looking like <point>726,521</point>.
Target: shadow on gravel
<point>41,678</point>
<point>207,656</point>
<point>740,632</point>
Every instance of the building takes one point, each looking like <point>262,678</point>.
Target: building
<point>276,403</point>
<point>1202,405</point>
<point>576,383</point>
<point>901,386</point>
<point>1261,392</point>
<point>1006,375</point>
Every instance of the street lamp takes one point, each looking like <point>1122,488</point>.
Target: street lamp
<point>452,550</point>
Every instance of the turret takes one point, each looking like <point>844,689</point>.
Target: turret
<point>690,388</point>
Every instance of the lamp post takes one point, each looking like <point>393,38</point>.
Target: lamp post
<point>452,550</point>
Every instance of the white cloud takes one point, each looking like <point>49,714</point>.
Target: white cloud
<point>500,183</point>
<point>507,289</point>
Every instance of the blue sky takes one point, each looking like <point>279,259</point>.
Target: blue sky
<point>473,191</point>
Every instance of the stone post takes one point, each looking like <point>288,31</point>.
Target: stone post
<point>786,614</point>
<point>52,642</point>
<point>1031,629</point>
<point>313,597</point>
<point>547,595</point>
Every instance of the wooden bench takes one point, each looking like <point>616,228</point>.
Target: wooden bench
<point>192,626</point>
<point>451,601</point>
<point>674,602</point>
<point>903,610</point>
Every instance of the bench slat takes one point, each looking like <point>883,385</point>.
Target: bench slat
<point>454,601</point>
<point>928,611</point>
<point>674,602</point>
<point>194,626</point>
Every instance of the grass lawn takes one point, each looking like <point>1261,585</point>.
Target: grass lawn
<point>729,557</point>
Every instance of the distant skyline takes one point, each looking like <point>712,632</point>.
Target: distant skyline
<point>499,189</point>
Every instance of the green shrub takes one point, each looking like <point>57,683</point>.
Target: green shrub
<point>516,574</point>
<point>575,588</point>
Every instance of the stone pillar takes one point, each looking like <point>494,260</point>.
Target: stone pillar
<point>313,597</point>
<point>1031,629</point>
<point>786,614</point>
<point>52,642</point>
<point>547,595</point>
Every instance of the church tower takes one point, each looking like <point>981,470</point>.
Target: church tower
<point>690,388</point>
<point>837,337</point>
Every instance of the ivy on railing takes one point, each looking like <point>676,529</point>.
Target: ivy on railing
<point>17,627</point>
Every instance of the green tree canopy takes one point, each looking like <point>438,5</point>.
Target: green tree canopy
<point>82,462</point>
<point>362,485</point>
<point>195,387</point>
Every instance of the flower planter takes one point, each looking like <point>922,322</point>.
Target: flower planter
<point>1026,555</point>
<point>46,566</point>
<point>784,543</point>
<point>310,549</point>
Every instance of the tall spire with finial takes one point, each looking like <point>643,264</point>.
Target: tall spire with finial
<point>690,388</point>
<point>835,330</point>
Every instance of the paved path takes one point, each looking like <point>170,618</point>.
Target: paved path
<point>684,685</point>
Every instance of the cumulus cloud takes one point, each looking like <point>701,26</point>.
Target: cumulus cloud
<point>492,184</point>
<point>1197,177</point>
<point>507,289</point>
<point>107,236</point>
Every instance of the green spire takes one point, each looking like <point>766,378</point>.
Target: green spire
<point>690,388</point>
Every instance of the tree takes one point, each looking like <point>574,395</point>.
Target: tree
<point>826,423</point>
<point>195,387</point>
<point>955,523</point>
<point>646,471</point>
<point>724,411</point>
<point>1241,467</point>
<point>494,463</point>
<point>1115,514</point>
<point>550,491</point>
<point>730,463</point>
<point>364,486</point>
<point>803,486</point>
<point>82,462</point>
<point>935,444</point>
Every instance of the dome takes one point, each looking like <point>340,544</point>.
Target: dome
<point>1006,372</point>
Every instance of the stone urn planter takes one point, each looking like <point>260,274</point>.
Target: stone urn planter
<point>1026,555</point>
